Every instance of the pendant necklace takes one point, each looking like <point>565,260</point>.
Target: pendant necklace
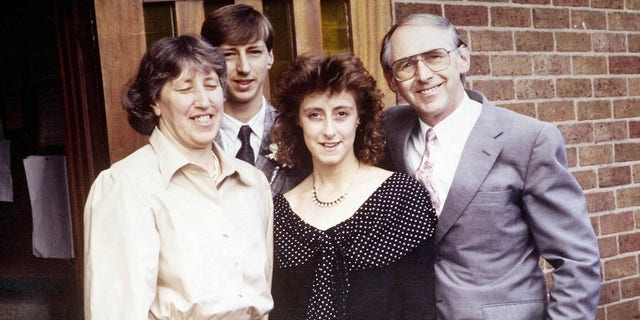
<point>319,203</point>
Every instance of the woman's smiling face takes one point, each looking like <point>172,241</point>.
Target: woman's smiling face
<point>190,109</point>
<point>329,125</point>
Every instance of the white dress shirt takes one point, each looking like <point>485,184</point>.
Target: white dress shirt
<point>164,239</point>
<point>451,136</point>
<point>231,127</point>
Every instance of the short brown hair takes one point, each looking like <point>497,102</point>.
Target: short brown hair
<point>331,74</point>
<point>237,24</point>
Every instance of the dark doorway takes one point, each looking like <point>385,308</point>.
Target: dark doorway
<point>50,104</point>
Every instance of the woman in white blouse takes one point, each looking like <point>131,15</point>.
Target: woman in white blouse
<point>169,233</point>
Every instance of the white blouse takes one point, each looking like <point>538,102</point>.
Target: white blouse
<point>165,240</point>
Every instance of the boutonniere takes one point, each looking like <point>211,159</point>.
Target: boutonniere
<point>273,155</point>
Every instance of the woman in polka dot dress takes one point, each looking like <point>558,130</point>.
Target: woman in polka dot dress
<point>351,241</point>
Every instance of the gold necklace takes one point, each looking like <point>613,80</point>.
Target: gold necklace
<point>323,204</point>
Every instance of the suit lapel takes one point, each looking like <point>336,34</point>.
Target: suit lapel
<point>398,139</point>
<point>263,163</point>
<point>480,152</point>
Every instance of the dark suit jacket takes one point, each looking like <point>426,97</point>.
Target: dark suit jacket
<point>512,200</point>
<point>281,178</point>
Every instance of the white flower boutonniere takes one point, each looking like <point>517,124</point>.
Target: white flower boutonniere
<point>273,148</point>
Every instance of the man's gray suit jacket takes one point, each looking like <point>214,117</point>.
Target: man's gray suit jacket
<point>512,200</point>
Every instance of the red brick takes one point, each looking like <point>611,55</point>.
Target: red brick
<point>624,21</point>
<point>595,224</point>
<point>588,20</point>
<point>633,4</point>
<point>573,42</point>
<point>608,247</point>
<point>491,40</point>
<point>630,287</point>
<point>512,65</point>
<point>464,34</point>
<point>551,64</point>
<point>589,65</point>
<point>587,179</point>
<point>467,15</point>
<point>534,88</point>
<point>614,176</point>
<point>629,242</point>
<point>571,3</point>
<point>624,64</point>
<point>480,65</point>
<point>609,42</point>
<point>556,111</point>
<point>574,87</point>
<point>596,154</point>
<point>600,201</point>
<point>634,42</point>
<point>510,17</point>
<point>626,108</point>
<point>572,156</point>
<point>608,4</point>
<point>495,89</point>
<point>526,108</point>
<point>609,131</point>
<point>634,86</point>
<point>636,214</point>
<point>629,151</point>
<point>601,313</point>
<point>620,267</point>
<point>609,87</point>
<point>534,41</point>
<point>577,133</point>
<point>636,179</point>
<point>629,197</point>
<point>614,223</point>
<point>594,109</point>
<point>550,18</point>
<point>530,2</point>
<point>634,129</point>
<point>609,292</point>
<point>402,10</point>
<point>626,310</point>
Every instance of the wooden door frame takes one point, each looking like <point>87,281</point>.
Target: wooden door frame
<point>86,149</point>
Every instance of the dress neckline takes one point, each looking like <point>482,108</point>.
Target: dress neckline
<point>299,220</point>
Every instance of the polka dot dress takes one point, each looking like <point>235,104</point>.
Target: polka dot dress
<point>393,221</point>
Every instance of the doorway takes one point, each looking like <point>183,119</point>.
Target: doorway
<point>50,105</point>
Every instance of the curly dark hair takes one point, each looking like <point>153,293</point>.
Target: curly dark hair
<point>331,74</point>
<point>165,60</point>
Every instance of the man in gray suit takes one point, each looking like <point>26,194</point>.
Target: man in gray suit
<point>245,37</point>
<point>499,181</point>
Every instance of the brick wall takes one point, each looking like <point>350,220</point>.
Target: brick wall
<point>575,63</point>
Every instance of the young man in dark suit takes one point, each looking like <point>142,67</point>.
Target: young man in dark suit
<point>245,37</point>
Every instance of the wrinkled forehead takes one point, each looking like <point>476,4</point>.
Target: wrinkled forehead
<point>410,40</point>
<point>190,70</point>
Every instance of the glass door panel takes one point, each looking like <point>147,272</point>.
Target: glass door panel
<point>159,21</point>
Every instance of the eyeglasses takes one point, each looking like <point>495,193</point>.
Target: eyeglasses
<point>436,60</point>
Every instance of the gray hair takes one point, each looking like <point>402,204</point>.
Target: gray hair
<point>418,19</point>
